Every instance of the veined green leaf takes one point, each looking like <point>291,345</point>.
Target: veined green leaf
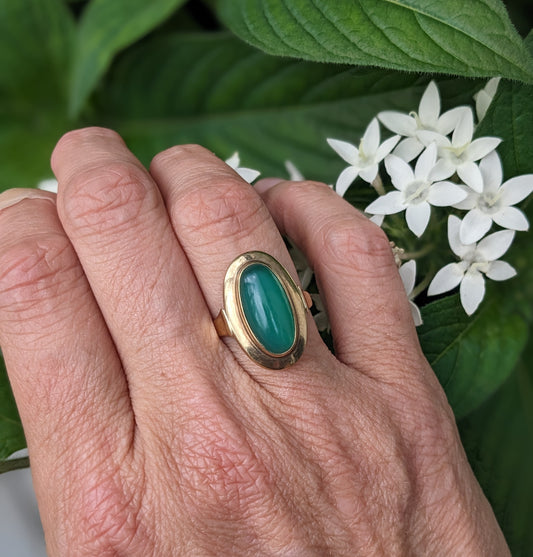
<point>498,439</point>
<point>106,27</point>
<point>474,38</point>
<point>217,91</point>
<point>11,433</point>
<point>472,356</point>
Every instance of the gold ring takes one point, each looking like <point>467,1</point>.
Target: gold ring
<point>264,310</point>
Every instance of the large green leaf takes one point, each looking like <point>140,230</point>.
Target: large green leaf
<point>106,27</point>
<point>498,439</point>
<point>217,91</point>
<point>11,433</point>
<point>472,356</point>
<point>36,38</point>
<point>474,38</point>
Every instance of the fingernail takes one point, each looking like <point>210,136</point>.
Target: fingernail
<point>16,195</point>
<point>266,183</point>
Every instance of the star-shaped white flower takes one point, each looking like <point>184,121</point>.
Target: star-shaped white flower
<point>459,154</point>
<point>50,184</point>
<point>364,161</point>
<point>408,275</point>
<point>416,191</point>
<point>427,118</point>
<point>247,174</point>
<point>484,97</point>
<point>477,261</point>
<point>495,202</point>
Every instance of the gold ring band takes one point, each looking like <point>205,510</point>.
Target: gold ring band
<point>264,310</point>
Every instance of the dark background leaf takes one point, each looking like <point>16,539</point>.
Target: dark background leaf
<point>413,35</point>
<point>11,433</point>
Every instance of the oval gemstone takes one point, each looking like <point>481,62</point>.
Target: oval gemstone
<point>267,308</point>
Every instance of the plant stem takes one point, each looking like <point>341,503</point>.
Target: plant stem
<point>14,464</point>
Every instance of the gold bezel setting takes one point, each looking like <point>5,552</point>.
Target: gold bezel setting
<point>232,321</point>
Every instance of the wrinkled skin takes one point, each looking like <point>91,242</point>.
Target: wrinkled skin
<point>150,435</point>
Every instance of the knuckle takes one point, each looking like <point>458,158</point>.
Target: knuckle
<point>220,470</point>
<point>177,152</point>
<point>33,272</point>
<point>356,245</point>
<point>107,198</point>
<point>218,211</point>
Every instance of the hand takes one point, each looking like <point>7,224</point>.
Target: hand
<point>150,435</point>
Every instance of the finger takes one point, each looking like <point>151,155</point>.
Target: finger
<point>115,217</point>
<point>217,216</point>
<point>66,376</point>
<point>355,270</point>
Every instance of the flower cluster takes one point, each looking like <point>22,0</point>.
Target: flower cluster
<point>434,160</point>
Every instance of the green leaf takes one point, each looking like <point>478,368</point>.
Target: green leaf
<point>36,38</point>
<point>474,38</point>
<point>214,90</point>
<point>35,46</point>
<point>471,356</point>
<point>106,27</point>
<point>498,439</point>
<point>11,433</point>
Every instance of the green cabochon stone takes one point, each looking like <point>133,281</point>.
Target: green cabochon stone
<point>267,308</point>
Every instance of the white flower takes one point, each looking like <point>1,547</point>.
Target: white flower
<point>495,202</point>
<point>484,97</point>
<point>477,260</point>
<point>428,118</point>
<point>50,184</point>
<point>321,317</point>
<point>294,174</point>
<point>416,191</point>
<point>459,154</point>
<point>247,174</point>
<point>408,275</point>
<point>363,161</point>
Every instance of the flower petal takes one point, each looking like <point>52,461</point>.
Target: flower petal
<point>511,218</point>
<point>474,226</point>
<point>449,120</point>
<point>481,147</point>
<point>345,179</point>
<point>345,150</point>
<point>442,170</point>
<point>370,140</point>
<point>516,189</point>
<point>408,149</point>
<point>492,172</point>
<point>495,245</point>
<point>429,108</point>
<point>387,204</point>
<point>408,275</point>
<point>399,171</point>
<point>426,162</point>
<point>462,135</point>
<point>426,137</point>
<point>417,217</point>
<point>234,161</point>
<point>369,173</point>
<point>454,225</point>
<point>472,291</point>
<point>247,174</point>
<point>294,173</point>
<point>386,147</point>
<point>469,202</point>
<point>415,313</point>
<point>500,270</point>
<point>471,175</point>
<point>446,279</point>
<point>444,194</point>
<point>398,123</point>
<point>377,219</point>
